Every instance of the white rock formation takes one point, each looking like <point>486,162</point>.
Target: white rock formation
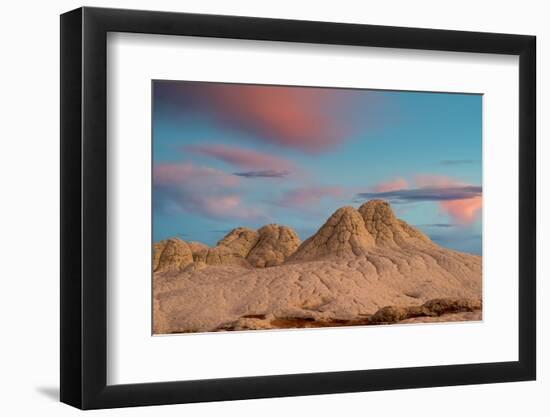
<point>357,263</point>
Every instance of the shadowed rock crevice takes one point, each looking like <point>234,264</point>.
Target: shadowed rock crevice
<point>449,307</point>
<point>431,308</point>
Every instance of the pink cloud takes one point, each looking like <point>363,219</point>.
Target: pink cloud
<point>289,117</point>
<point>182,173</point>
<point>206,202</point>
<point>225,206</point>
<point>463,211</point>
<point>243,158</point>
<point>397,184</point>
<point>306,197</point>
<point>201,190</point>
<point>308,119</point>
<point>460,200</point>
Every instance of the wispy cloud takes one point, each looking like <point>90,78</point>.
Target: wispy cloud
<point>306,119</point>
<point>293,117</point>
<point>459,200</point>
<point>425,194</point>
<point>184,173</point>
<point>262,174</point>
<point>240,157</point>
<point>201,190</point>
<point>214,205</point>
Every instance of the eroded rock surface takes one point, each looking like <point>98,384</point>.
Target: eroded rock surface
<point>359,262</point>
<point>343,234</point>
<point>386,229</point>
<point>275,244</point>
<point>196,247</point>
<point>438,310</point>
<point>220,255</point>
<point>432,308</point>
<point>171,255</point>
<point>240,241</point>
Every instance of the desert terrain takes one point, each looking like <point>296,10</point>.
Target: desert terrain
<point>362,267</point>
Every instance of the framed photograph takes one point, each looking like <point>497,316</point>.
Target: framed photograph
<point>257,208</point>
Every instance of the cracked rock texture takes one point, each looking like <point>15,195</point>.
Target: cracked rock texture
<point>386,229</point>
<point>220,255</point>
<point>240,241</point>
<point>196,247</point>
<point>171,255</point>
<point>275,244</point>
<point>360,261</point>
<point>344,233</point>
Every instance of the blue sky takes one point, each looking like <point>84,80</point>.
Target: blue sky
<point>228,155</point>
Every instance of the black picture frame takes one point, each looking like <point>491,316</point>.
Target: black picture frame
<point>84,207</point>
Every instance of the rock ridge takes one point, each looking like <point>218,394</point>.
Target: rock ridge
<point>357,263</point>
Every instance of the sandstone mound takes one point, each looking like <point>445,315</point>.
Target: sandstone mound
<point>269,246</point>
<point>386,229</point>
<point>343,234</point>
<point>196,247</point>
<point>171,255</point>
<point>240,241</point>
<point>220,255</point>
<point>275,244</point>
<point>231,250</point>
<point>356,264</point>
